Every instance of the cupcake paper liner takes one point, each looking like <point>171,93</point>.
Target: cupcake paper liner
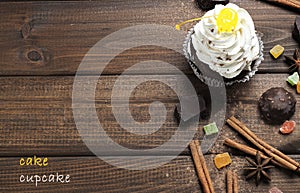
<point>212,78</point>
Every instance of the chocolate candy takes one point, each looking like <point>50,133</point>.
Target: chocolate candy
<point>292,147</point>
<point>190,109</point>
<point>277,105</point>
<point>210,4</point>
<point>296,31</point>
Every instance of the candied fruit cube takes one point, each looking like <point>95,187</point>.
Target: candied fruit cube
<point>224,23</point>
<point>287,127</point>
<point>293,79</point>
<point>276,51</point>
<point>211,129</point>
<point>298,87</point>
<point>222,160</point>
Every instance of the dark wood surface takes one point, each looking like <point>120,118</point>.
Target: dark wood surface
<point>90,174</point>
<point>64,31</point>
<point>36,95</point>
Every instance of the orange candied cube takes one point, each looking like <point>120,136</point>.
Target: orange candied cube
<point>276,51</point>
<point>298,87</point>
<point>222,160</point>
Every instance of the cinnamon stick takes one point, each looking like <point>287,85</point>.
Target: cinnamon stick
<point>263,146</point>
<point>205,169</point>
<point>229,181</point>
<point>260,147</point>
<point>201,167</point>
<point>232,182</point>
<point>244,148</point>
<point>289,3</point>
<point>235,183</point>
<point>248,150</point>
<point>263,143</point>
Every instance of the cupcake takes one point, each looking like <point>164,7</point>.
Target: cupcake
<point>225,42</point>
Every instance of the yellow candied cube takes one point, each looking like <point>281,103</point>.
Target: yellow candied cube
<point>276,51</point>
<point>222,160</point>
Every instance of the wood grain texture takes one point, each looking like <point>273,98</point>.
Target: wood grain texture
<point>42,44</point>
<point>63,32</point>
<point>34,110</point>
<point>90,174</point>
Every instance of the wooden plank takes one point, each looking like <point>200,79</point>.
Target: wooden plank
<point>90,174</point>
<point>280,177</point>
<point>63,32</point>
<point>93,175</point>
<point>242,100</point>
<point>49,99</point>
<point>33,110</point>
<point>29,88</point>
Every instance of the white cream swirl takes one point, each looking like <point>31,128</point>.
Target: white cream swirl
<point>226,53</point>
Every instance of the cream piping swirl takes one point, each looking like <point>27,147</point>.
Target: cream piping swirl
<point>226,53</point>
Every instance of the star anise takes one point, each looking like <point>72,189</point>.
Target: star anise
<point>294,61</point>
<point>258,168</point>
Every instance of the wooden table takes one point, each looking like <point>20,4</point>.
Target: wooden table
<point>41,46</point>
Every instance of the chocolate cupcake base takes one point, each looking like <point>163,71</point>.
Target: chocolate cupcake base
<point>212,78</point>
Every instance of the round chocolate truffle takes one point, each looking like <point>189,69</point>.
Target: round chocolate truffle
<point>277,105</point>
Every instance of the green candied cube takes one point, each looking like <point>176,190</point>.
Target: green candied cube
<point>211,129</point>
<point>293,79</point>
